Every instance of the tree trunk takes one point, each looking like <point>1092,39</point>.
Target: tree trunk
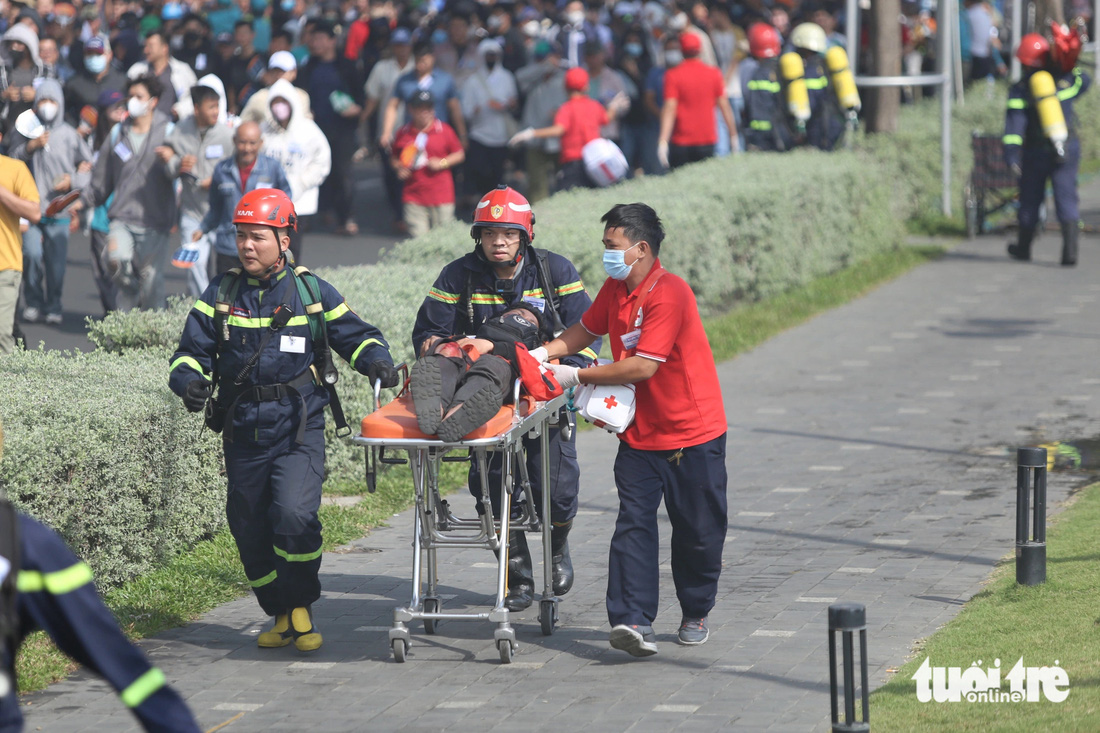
<point>885,31</point>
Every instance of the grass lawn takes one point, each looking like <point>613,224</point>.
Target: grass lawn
<point>210,574</point>
<point>1050,624</point>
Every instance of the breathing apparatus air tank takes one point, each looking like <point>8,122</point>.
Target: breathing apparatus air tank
<point>836,58</point>
<point>1049,108</point>
<point>798,99</point>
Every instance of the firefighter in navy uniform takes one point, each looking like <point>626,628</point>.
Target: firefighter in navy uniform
<point>764,119</point>
<point>503,270</point>
<point>825,127</point>
<point>1034,157</point>
<point>262,337</point>
<point>43,585</point>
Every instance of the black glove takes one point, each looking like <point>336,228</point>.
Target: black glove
<point>382,370</point>
<point>197,393</point>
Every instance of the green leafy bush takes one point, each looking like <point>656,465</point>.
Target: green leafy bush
<point>98,448</point>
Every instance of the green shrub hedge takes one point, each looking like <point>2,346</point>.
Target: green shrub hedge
<point>98,447</point>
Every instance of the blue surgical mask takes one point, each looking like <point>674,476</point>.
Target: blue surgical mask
<point>633,49</point>
<point>288,5</point>
<point>95,63</point>
<point>439,36</point>
<point>614,263</point>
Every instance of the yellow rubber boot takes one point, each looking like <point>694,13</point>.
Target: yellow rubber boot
<point>306,638</point>
<point>278,636</point>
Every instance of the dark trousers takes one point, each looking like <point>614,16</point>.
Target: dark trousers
<point>565,476</point>
<point>679,155</point>
<point>104,283</point>
<point>1040,164</point>
<point>274,495</point>
<point>573,175</point>
<point>336,191</point>
<point>694,490</point>
<point>485,167</point>
<point>394,186</point>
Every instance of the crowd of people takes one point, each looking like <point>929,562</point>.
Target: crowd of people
<point>163,113</point>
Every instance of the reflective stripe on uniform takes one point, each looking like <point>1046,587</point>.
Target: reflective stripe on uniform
<point>818,83</point>
<point>302,557</point>
<point>243,322</point>
<point>764,86</point>
<point>140,689</point>
<point>261,582</point>
<point>188,361</point>
<point>359,349</point>
<point>443,296</point>
<point>588,353</point>
<point>573,287</point>
<point>486,299</point>
<point>1013,140</point>
<point>760,125</point>
<point>336,312</point>
<point>204,308</point>
<point>56,583</point>
<point>1017,103</point>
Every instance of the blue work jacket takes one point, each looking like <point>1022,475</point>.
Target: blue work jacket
<point>444,310</point>
<point>1022,126</point>
<point>226,191</point>
<point>288,354</point>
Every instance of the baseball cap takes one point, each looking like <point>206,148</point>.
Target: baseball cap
<point>224,38</point>
<point>421,98</point>
<point>95,44</point>
<point>282,60</point>
<point>690,44</point>
<point>401,36</point>
<point>108,98</point>
<point>576,79</point>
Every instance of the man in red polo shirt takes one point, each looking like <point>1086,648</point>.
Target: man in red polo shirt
<point>577,123</point>
<point>676,446</point>
<point>424,151</point>
<point>689,129</point>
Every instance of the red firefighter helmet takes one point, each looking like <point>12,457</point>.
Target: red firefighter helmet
<point>1066,47</point>
<point>504,207</point>
<point>268,207</point>
<point>1033,50</point>
<point>764,41</point>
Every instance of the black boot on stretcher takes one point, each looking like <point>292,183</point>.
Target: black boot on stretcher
<point>521,583</point>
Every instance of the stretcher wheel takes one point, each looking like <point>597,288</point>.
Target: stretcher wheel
<point>400,647</point>
<point>548,616</point>
<point>505,648</point>
<point>431,605</point>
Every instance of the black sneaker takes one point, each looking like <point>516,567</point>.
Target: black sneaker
<point>637,641</point>
<point>693,631</point>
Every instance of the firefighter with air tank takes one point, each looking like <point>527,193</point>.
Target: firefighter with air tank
<point>1040,140</point>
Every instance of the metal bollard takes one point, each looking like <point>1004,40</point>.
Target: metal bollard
<point>1031,554</point>
<point>847,618</point>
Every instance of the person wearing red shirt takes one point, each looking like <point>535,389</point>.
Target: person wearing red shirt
<point>689,129</point>
<point>676,446</point>
<point>424,152</point>
<point>577,123</point>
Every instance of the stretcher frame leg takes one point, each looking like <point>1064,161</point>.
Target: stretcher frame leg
<point>548,604</point>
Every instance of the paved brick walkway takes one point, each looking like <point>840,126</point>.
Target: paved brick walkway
<point>870,461</point>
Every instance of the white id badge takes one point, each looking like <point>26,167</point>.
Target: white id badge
<point>293,344</point>
<point>123,152</point>
<point>630,340</point>
<point>213,152</point>
<point>539,303</point>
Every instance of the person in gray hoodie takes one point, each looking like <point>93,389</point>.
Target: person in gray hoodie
<point>60,161</point>
<point>20,69</point>
<point>191,151</point>
<point>139,192</point>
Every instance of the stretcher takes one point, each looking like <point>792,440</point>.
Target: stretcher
<point>393,427</point>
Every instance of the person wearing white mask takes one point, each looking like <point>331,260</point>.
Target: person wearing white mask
<point>680,24</point>
<point>60,161</point>
<point>142,197</point>
<point>296,141</point>
<point>489,98</point>
<point>281,65</point>
<point>573,32</point>
<point>97,74</point>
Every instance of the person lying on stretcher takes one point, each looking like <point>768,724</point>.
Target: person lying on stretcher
<point>455,391</point>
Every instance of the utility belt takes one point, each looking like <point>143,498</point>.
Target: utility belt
<point>219,412</point>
